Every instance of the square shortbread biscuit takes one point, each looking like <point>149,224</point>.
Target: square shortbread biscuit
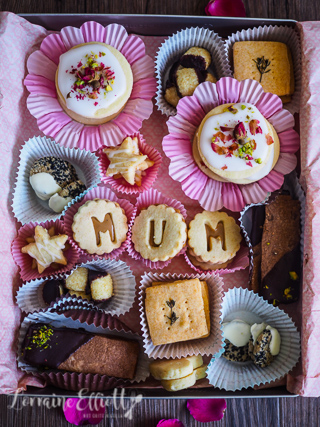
<point>205,297</point>
<point>175,311</point>
<point>278,77</point>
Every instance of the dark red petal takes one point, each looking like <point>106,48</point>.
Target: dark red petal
<point>225,8</point>
<point>170,423</point>
<point>84,411</point>
<point>207,410</point>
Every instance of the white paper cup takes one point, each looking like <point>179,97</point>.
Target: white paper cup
<point>29,296</point>
<point>277,33</point>
<point>26,205</point>
<point>92,321</point>
<point>175,46</point>
<point>204,346</point>
<point>239,303</point>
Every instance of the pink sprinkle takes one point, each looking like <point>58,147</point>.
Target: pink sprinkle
<point>102,64</point>
<point>229,155</point>
<point>249,164</point>
<point>79,65</point>
<point>95,104</point>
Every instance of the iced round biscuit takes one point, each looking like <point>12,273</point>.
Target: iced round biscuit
<point>214,237</point>
<point>94,82</point>
<point>100,226</point>
<point>159,233</point>
<point>236,143</point>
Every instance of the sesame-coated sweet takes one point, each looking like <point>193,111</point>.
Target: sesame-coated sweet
<point>61,170</point>
<point>235,354</point>
<point>73,189</point>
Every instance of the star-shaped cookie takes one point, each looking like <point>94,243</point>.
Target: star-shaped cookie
<point>46,249</point>
<point>127,161</point>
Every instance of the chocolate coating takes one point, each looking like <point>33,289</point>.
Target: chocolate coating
<point>282,283</point>
<point>60,345</point>
<point>52,289</point>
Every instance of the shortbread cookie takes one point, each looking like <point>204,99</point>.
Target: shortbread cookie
<point>201,372</point>
<point>268,62</point>
<point>205,297</point>
<point>127,161</point>
<point>207,265</point>
<point>175,368</point>
<point>236,143</point>
<point>46,249</point>
<point>159,233</point>
<point>176,312</point>
<point>99,226</point>
<point>214,237</point>
<point>180,383</point>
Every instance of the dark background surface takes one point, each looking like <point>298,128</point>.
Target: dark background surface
<point>284,412</point>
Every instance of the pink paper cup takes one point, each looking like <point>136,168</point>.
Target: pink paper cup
<point>24,261</point>
<point>177,145</point>
<point>121,184</point>
<point>153,197</point>
<point>204,346</point>
<point>100,192</point>
<point>240,262</point>
<point>40,82</point>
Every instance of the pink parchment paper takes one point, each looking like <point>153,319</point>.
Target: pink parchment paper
<point>18,39</point>
<point>307,382</point>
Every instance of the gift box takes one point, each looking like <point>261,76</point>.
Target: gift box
<point>20,125</point>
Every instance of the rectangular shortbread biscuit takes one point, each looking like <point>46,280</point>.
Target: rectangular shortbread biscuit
<point>279,80</point>
<point>186,299</point>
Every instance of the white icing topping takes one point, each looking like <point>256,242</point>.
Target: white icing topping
<point>256,330</point>
<point>48,252</point>
<point>228,119</point>
<point>57,203</point>
<point>88,107</point>
<point>237,332</point>
<point>44,185</point>
<point>263,171</point>
<point>275,342</point>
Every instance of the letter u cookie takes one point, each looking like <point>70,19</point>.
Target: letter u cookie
<point>159,233</point>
